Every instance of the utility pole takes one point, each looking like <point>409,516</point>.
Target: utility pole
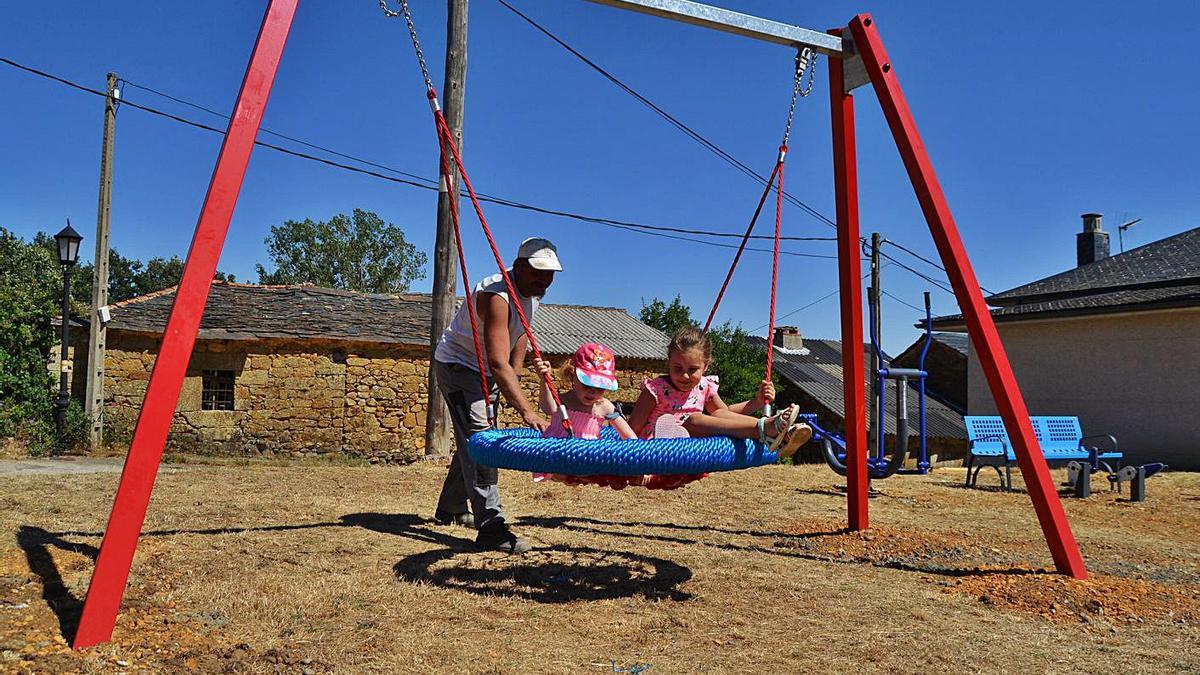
<point>876,425</point>
<point>98,334</point>
<point>453,93</point>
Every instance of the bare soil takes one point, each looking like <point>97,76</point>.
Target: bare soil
<point>313,569</point>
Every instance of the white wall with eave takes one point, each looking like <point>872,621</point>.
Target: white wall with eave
<point>1135,376</point>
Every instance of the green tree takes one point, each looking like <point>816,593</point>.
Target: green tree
<point>667,318</point>
<point>30,293</point>
<point>359,253</point>
<point>738,362</point>
<point>127,277</point>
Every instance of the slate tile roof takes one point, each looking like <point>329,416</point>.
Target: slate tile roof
<point>1165,273</point>
<point>959,342</point>
<point>819,374</point>
<point>245,312</point>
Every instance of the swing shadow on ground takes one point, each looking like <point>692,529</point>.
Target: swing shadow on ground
<point>553,574</point>
<point>786,544</point>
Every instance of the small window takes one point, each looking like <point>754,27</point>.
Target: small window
<point>217,390</point>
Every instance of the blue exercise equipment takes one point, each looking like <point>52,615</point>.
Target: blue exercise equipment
<point>524,449</point>
<point>879,463</point>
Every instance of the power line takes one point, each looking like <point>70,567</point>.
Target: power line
<point>429,184</point>
<point>941,286</point>
<point>417,181</point>
<point>927,261</point>
<point>906,304</point>
<point>709,145</point>
<point>501,201</point>
<point>819,300</point>
<point>671,119</point>
<point>279,135</point>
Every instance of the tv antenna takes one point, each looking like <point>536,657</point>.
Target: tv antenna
<point>1121,231</point>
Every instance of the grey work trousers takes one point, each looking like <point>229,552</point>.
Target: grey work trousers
<point>467,481</point>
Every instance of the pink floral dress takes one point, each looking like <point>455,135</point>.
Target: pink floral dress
<point>671,401</point>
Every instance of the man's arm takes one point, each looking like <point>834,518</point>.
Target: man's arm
<point>493,312</point>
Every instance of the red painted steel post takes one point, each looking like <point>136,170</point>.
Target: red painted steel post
<point>845,182</point>
<point>984,338</point>
<point>145,452</point>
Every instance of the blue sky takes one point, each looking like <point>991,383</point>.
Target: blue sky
<point>1033,113</point>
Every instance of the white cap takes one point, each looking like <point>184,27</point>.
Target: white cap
<point>541,254</point>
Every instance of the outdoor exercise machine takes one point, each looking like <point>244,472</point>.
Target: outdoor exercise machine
<point>856,57</point>
<point>879,463</point>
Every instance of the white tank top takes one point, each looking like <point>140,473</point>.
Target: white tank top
<point>457,345</point>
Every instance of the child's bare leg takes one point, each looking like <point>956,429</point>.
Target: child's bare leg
<point>727,413</point>
<point>701,425</point>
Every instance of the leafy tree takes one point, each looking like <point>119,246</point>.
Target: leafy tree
<point>359,253</point>
<point>130,277</point>
<point>30,287</point>
<point>667,318</point>
<point>738,363</point>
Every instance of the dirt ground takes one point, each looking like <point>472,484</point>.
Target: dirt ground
<point>303,569</point>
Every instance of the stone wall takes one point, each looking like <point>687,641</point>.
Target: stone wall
<point>302,398</point>
<point>291,398</point>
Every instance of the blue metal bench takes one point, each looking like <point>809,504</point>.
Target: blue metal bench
<point>1060,437</point>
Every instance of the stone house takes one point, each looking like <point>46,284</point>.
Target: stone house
<point>302,370</point>
<point>1114,340</point>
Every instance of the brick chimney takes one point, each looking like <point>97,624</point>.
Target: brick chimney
<point>1091,244</point>
<point>788,337</point>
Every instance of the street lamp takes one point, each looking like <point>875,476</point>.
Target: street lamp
<point>68,253</point>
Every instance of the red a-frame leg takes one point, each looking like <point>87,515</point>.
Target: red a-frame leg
<point>162,394</point>
<point>845,182</point>
<point>984,338</point>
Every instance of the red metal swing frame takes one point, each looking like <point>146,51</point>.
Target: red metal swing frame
<point>162,394</point>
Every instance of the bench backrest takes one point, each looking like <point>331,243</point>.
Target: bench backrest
<point>1057,435</point>
<point>986,433</point>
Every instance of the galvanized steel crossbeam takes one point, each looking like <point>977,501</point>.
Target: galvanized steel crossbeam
<point>734,22</point>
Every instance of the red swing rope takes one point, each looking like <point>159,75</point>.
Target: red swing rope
<point>448,185</point>
<point>803,62</point>
<point>745,238</point>
<point>446,142</point>
<point>775,261</point>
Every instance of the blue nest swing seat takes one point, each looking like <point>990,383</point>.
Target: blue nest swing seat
<point>526,450</point>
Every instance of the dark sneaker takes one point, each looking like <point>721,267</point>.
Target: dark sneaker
<point>445,518</point>
<point>496,536</point>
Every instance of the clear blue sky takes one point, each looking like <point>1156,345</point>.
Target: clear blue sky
<point>1032,112</point>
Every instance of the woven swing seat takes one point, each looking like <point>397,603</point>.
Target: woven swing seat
<point>524,449</point>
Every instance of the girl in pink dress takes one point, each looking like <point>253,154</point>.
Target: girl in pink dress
<point>685,402</point>
<point>591,372</point>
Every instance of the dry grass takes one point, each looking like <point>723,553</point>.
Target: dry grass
<point>256,568</point>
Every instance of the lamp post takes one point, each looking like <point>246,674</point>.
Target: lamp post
<point>68,253</point>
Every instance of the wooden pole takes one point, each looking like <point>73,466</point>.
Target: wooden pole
<point>437,432</point>
<point>876,421</point>
<point>98,334</point>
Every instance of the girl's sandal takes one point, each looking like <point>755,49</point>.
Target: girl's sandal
<point>783,423</point>
<point>796,436</point>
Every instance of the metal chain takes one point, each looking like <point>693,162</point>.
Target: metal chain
<point>412,32</point>
<point>806,62</point>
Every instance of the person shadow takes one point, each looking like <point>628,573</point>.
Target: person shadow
<point>36,543</point>
<point>554,574</point>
